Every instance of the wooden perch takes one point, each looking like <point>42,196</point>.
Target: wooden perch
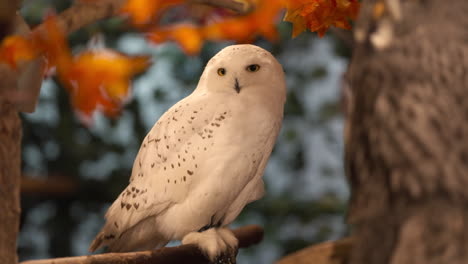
<point>333,252</point>
<point>247,235</point>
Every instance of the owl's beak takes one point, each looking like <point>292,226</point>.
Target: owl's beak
<point>237,86</point>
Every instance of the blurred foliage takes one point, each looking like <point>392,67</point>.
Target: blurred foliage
<point>306,190</point>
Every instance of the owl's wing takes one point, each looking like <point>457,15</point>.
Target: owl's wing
<point>162,169</point>
<point>254,186</point>
<point>264,156</point>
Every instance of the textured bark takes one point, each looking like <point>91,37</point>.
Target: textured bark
<point>10,141</point>
<point>247,236</point>
<point>407,136</point>
<point>332,252</point>
<point>10,149</point>
<point>7,14</point>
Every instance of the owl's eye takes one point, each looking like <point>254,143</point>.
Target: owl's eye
<point>221,71</point>
<point>253,68</point>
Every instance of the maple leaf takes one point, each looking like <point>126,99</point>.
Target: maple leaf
<point>319,15</point>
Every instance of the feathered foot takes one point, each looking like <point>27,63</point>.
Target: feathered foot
<point>219,244</point>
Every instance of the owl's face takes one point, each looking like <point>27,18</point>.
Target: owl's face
<point>243,69</point>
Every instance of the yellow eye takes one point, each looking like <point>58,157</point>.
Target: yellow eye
<point>253,68</point>
<point>221,71</point>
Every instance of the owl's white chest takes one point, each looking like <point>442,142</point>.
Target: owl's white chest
<point>249,121</point>
<point>229,153</point>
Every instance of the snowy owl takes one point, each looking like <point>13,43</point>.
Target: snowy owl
<point>203,161</point>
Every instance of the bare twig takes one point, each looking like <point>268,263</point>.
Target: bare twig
<point>247,235</point>
<point>238,6</point>
<point>334,252</point>
<point>85,13</point>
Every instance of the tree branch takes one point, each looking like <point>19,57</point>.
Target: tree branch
<point>247,236</point>
<point>239,6</point>
<point>85,13</point>
<point>333,252</point>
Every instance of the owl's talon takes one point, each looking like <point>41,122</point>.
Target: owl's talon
<point>219,244</point>
<point>226,258</point>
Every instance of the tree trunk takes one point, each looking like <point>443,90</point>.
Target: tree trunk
<point>10,160</point>
<point>10,147</point>
<point>407,133</point>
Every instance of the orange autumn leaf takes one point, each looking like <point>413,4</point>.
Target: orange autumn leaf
<point>54,45</point>
<point>190,37</point>
<point>319,15</point>
<point>14,49</point>
<point>101,80</point>
<point>95,80</point>
<point>141,12</point>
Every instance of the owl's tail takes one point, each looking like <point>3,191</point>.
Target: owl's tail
<point>105,237</point>
<point>97,242</point>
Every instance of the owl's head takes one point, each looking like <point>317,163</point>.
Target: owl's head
<point>244,69</point>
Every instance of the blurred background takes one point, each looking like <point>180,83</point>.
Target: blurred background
<point>87,167</point>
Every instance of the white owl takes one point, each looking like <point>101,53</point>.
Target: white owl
<point>203,161</point>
